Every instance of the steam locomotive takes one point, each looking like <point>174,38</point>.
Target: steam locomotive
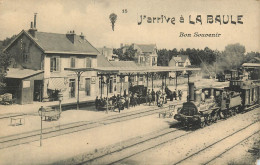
<point>207,105</point>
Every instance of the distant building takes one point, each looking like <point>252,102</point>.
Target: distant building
<point>108,53</point>
<point>146,53</point>
<point>254,60</point>
<point>180,61</point>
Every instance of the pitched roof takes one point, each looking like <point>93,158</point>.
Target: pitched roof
<point>124,64</point>
<point>21,73</point>
<point>257,58</point>
<point>103,62</point>
<point>147,48</point>
<point>183,57</point>
<point>177,59</point>
<point>59,43</point>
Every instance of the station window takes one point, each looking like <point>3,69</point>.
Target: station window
<point>141,59</point>
<point>55,64</point>
<point>88,62</point>
<point>72,62</point>
<point>141,78</point>
<point>24,52</point>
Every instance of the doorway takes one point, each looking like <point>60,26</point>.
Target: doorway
<point>37,91</point>
<point>72,88</point>
<point>87,86</point>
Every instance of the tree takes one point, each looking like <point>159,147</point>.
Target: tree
<point>5,61</point>
<point>6,42</point>
<point>250,55</point>
<point>128,55</point>
<point>173,53</point>
<point>234,55</point>
<point>163,57</point>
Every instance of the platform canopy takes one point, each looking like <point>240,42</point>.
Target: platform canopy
<point>133,70</point>
<point>251,65</point>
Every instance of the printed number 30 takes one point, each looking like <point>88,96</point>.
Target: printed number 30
<point>124,11</point>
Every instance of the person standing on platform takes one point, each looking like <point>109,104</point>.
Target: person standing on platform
<point>157,97</point>
<point>149,94</point>
<point>174,94</point>
<point>96,102</point>
<point>153,96</point>
<point>180,95</point>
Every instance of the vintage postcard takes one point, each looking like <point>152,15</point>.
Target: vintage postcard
<point>128,82</point>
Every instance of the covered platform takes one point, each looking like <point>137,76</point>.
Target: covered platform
<point>149,71</point>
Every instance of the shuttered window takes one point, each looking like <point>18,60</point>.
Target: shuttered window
<point>88,62</point>
<point>72,62</point>
<point>55,64</point>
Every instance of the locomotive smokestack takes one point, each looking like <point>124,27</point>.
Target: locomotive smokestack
<point>191,91</point>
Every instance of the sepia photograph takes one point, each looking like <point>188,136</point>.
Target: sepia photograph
<point>130,82</point>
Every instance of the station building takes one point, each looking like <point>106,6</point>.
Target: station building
<point>42,57</point>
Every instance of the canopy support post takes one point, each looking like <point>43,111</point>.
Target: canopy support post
<point>108,79</point>
<point>78,75</point>
<point>152,81</point>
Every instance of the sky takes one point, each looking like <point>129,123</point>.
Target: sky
<point>91,17</point>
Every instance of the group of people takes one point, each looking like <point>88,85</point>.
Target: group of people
<point>152,97</point>
<point>115,101</point>
<point>177,94</point>
<point>157,97</point>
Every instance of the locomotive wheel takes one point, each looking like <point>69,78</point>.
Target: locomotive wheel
<point>202,124</point>
<point>209,122</point>
<point>221,115</point>
<point>215,118</point>
<point>234,112</point>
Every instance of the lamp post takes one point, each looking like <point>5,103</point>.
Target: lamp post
<point>101,85</point>
<point>107,83</point>
<point>78,73</point>
<point>40,110</point>
<point>60,97</point>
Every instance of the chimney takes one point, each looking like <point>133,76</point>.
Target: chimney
<point>71,36</point>
<point>33,30</point>
<point>82,36</point>
<point>35,20</point>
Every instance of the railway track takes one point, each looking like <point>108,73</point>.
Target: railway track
<point>192,158</point>
<point>125,150</point>
<point>228,149</point>
<point>31,136</point>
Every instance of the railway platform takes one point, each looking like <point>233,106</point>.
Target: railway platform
<point>86,140</point>
<point>85,114</point>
